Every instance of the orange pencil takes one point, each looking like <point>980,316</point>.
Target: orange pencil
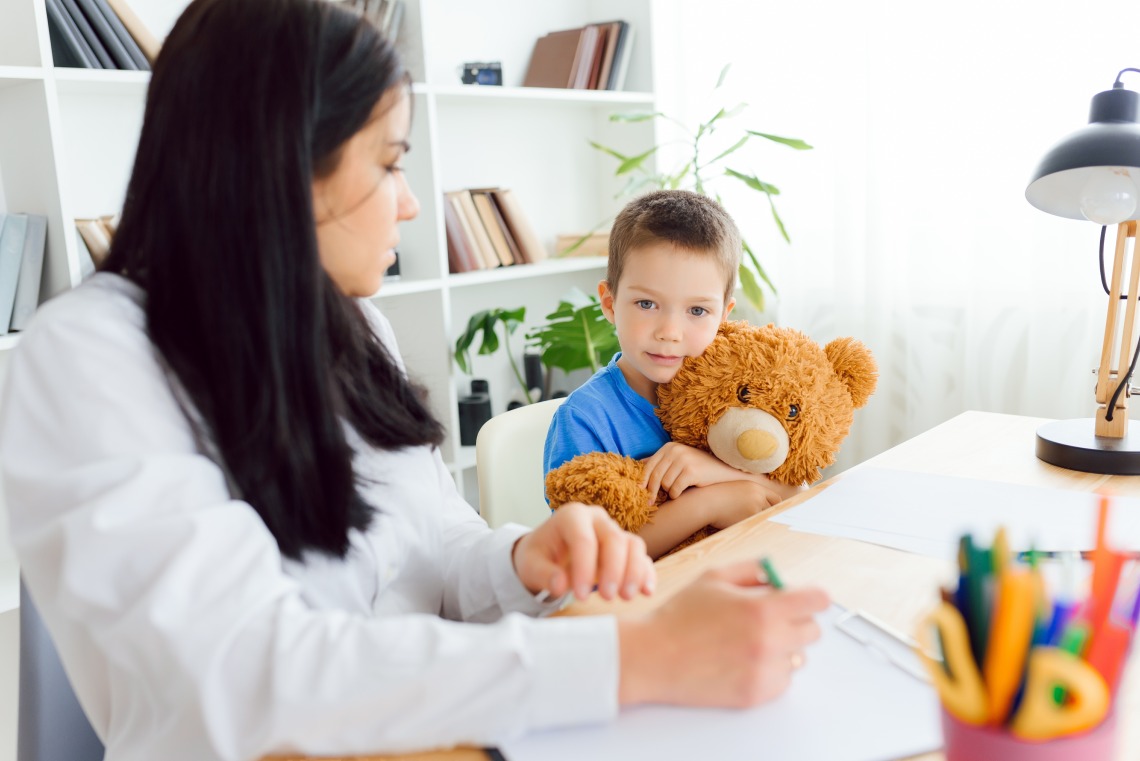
<point>1010,636</point>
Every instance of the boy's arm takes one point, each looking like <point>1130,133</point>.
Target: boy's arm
<point>719,505</point>
<point>676,467</point>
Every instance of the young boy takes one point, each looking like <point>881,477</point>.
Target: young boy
<point>669,282</point>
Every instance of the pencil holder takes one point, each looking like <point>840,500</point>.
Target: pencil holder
<point>969,742</point>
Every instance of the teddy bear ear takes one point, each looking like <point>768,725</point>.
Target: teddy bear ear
<point>855,366</point>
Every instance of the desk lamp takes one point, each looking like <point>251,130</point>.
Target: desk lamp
<point>1094,174</point>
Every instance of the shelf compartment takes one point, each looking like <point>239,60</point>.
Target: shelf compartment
<point>524,271</point>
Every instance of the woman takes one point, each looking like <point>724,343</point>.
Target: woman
<point>225,495</point>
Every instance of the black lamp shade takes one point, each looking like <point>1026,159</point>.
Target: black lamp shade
<point>1111,141</point>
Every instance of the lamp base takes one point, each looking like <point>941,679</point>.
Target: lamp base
<point>1073,444</point>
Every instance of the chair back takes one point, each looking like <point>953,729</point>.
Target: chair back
<point>51,724</point>
<point>508,460</point>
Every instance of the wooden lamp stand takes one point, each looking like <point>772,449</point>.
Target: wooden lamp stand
<point>1108,443</point>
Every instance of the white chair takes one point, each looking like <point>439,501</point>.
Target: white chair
<point>508,460</point>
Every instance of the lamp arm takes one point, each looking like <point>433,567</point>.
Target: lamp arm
<point>1123,382</point>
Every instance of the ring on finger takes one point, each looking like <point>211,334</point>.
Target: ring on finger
<point>797,661</point>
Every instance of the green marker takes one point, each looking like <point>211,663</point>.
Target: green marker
<point>770,572</point>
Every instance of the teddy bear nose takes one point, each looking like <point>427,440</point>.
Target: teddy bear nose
<point>755,444</point>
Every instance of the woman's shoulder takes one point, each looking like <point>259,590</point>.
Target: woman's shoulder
<point>104,309</point>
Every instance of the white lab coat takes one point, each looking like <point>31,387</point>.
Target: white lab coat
<point>185,632</point>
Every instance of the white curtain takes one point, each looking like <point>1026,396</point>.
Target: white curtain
<point>908,222</point>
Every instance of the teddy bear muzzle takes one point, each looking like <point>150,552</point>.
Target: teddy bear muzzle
<point>749,439</point>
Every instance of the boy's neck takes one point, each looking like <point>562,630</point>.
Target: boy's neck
<point>641,385</point>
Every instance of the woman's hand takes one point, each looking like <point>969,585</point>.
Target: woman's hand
<point>726,640</point>
<point>579,547</point>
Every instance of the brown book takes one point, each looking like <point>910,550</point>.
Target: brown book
<point>460,257</point>
<point>479,238</point>
<point>553,59</point>
<point>599,54</point>
<point>613,30</point>
<point>584,57</point>
<point>516,252</point>
<point>96,238</point>
<point>147,42</point>
<point>531,247</point>
<point>487,213</point>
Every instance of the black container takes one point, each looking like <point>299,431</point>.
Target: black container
<point>474,411</point>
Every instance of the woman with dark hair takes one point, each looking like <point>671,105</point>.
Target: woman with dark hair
<point>226,496</point>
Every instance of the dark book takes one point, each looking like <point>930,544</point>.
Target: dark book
<point>68,48</point>
<point>85,29</point>
<point>133,51</point>
<point>613,31</point>
<point>617,76</point>
<point>147,42</point>
<point>460,257</point>
<point>601,30</point>
<point>553,59</point>
<point>119,55</point>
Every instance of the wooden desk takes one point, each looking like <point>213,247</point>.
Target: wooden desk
<point>897,587</point>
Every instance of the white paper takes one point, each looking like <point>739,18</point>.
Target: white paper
<point>926,514</point>
<point>848,703</point>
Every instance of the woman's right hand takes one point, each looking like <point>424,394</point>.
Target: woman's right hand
<point>726,640</point>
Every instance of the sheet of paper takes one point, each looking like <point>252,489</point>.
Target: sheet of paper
<point>848,703</point>
<point>926,514</point>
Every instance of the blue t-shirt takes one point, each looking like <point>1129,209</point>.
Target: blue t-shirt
<point>603,415</point>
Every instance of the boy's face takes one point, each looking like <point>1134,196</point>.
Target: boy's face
<point>667,306</point>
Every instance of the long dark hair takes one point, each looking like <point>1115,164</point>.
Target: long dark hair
<point>248,102</point>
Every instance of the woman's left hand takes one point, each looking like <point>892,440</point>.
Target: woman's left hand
<point>579,547</point>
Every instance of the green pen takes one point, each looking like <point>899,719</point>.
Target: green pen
<point>770,572</point>
<point>1073,641</point>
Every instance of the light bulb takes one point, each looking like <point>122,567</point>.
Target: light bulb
<point>1108,197</point>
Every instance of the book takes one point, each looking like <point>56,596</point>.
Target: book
<point>96,238</point>
<point>476,257</point>
<point>31,270</point>
<point>120,58</point>
<point>584,57</point>
<point>552,60</point>
<point>621,58</point>
<point>460,257</point>
<point>125,39</point>
<point>516,251</point>
<point>86,264</point>
<point>490,218</point>
<point>479,235</point>
<point>68,48</point>
<point>11,251</point>
<point>146,41</point>
<point>88,32</point>
<point>600,30</point>
<point>613,30</point>
<point>531,247</point>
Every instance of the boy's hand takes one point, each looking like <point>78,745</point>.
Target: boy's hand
<point>579,547</point>
<point>732,501</point>
<point>675,467</point>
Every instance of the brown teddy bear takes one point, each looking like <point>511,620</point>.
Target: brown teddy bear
<point>762,399</point>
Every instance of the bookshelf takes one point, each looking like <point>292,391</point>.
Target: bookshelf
<point>70,134</point>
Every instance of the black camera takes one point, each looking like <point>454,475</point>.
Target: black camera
<point>490,73</point>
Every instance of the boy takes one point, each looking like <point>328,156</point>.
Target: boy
<point>669,281</point>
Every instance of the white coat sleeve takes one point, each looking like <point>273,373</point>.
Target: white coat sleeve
<point>168,603</point>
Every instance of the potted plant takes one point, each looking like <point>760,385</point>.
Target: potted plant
<point>700,174</point>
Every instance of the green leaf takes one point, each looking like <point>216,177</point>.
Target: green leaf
<point>484,322</point>
<point>576,335</point>
<point>642,116</point>
<point>791,142</point>
<point>723,74</point>
<point>674,181</point>
<point>779,222</point>
<point>634,162</point>
<point>754,182</point>
<point>751,288</point>
<point>739,144</point>
<point>609,151</point>
<point>721,114</point>
<point>759,268</point>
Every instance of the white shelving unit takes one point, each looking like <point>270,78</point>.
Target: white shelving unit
<point>69,137</point>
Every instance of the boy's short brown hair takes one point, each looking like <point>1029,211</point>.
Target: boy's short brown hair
<point>690,221</point>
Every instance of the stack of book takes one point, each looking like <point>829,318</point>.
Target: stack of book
<point>594,57</point>
<point>385,14</point>
<point>99,34</point>
<point>22,241</point>
<point>486,228</point>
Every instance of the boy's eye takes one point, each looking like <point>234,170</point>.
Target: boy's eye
<point>644,304</point>
<point>698,311</point>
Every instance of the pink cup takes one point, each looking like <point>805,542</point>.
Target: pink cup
<point>967,742</point>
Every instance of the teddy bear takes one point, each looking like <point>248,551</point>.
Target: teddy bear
<point>762,399</point>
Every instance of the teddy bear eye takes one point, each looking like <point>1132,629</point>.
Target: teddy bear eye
<point>793,411</point>
<point>743,394</point>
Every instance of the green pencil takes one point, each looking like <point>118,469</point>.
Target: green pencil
<point>770,572</point>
